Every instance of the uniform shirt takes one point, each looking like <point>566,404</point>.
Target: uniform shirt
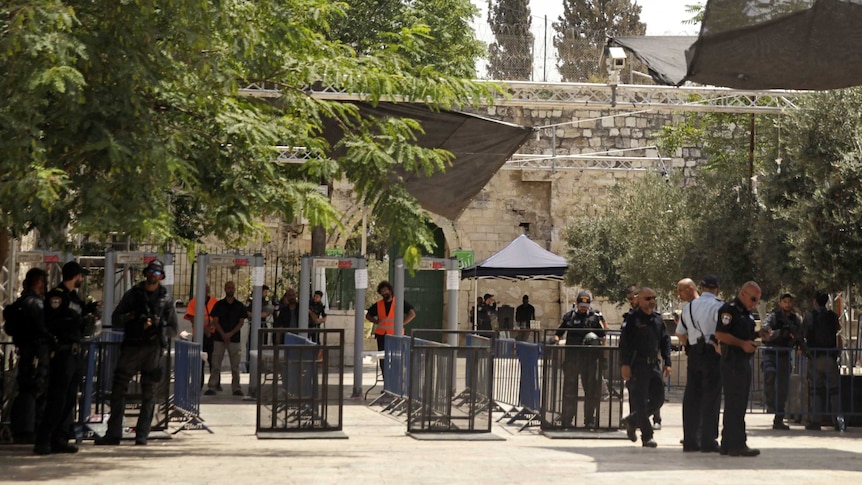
<point>786,329</point>
<point>577,325</point>
<point>136,306</point>
<point>735,319</point>
<point>699,318</point>
<point>318,309</point>
<point>229,316</point>
<point>34,331</point>
<point>643,338</point>
<point>287,317</point>
<point>64,315</point>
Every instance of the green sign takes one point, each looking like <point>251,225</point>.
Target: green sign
<point>337,252</point>
<point>464,256</point>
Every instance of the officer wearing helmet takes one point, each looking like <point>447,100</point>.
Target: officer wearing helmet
<point>147,315</point>
<point>582,326</point>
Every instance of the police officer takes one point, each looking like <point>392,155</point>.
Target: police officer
<point>781,331</point>
<point>34,345</point>
<point>64,319</point>
<point>701,403</point>
<point>642,339</point>
<point>735,331</point>
<point>147,315</point>
<point>584,363</point>
<point>820,329</point>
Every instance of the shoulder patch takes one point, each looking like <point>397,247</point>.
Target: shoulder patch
<point>56,301</point>
<point>726,318</point>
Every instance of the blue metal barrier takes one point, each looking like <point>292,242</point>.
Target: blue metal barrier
<point>187,386</point>
<point>530,395</point>
<point>104,352</point>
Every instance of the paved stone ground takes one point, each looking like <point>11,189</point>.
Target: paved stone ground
<point>378,451</point>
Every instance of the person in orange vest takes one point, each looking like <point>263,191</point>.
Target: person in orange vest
<point>209,329</point>
<point>382,315</point>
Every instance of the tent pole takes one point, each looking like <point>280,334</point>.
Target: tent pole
<point>473,303</point>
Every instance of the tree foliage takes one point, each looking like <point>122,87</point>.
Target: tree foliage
<point>510,56</point>
<point>582,33</point>
<point>126,117</point>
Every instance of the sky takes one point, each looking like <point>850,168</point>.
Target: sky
<point>662,17</point>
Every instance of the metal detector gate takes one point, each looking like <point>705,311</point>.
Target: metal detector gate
<point>104,352</point>
<point>309,263</point>
<point>203,262</point>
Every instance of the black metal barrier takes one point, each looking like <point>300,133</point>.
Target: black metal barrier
<point>297,392</point>
<point>582,387</point>
<point>436,404</point>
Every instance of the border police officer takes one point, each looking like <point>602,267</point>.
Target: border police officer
<point>148,317</point>
<point>643,338</point>
<point>584,363</point>
<point>34,345</point>
<point>781,332</point>
<point>65,321</point>
<point>735,331</point>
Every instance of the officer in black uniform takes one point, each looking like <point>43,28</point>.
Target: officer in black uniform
<point>65,321</point>
<point>643,338</point>
<point>148,318</point>
<point>34,345</point>
<point>781,331</point>
<point>735,331</point>
<point>580,362</point>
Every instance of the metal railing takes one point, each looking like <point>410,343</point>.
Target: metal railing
<point>297,392</point>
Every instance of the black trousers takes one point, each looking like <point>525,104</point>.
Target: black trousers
<point>584,364</point>
<point>64,375</point>
<point>32,379</point>
<point>646,395</point>
<point>381,345</point>
<point>701,403</point>
<point>146,359</point>
<point>735,382</point>
<point>776,379</point>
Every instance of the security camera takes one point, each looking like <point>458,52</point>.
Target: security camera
<point>616,58</point>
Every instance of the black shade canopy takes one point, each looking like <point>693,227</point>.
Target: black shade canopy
<point>480,146</point>
<point>762,44</point>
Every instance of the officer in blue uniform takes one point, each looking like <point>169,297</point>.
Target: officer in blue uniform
<point>735,331</point>
<point>579,362</point>
<point>65,321</point>
<point>643,339</point>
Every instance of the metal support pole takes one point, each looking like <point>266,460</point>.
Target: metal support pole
<point>361,280</point>
<point>256,307</point>
<point>109,288</point>
<point>168,282</point>
<point>453,278</point>
<point>200,297</point>
<point>399,296</point>
<point>304,293</point>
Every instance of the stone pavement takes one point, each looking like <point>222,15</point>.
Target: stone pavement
<point>378,451</point>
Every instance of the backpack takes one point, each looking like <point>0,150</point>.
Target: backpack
<point>15,318</point>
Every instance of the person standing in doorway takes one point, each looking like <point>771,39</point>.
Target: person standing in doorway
<point>228,315</point>
<point>382,315</point>
<point>209,329</point>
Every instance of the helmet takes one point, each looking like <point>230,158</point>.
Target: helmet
<point>591,339</point>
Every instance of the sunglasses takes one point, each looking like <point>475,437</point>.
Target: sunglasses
<point>155,272</point>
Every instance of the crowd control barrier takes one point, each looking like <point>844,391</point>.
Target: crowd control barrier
<point>581,387</point>
<point>297,391</point>
<point>94,405</point>
<point>435,403</point>
<point>186,405</point>
<point>823,384</point>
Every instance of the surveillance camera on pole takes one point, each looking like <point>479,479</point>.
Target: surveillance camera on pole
<point>615,59</point>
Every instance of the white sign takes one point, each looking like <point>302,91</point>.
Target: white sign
<point>453,280</point>
<point>169,275</point>
<point>221,260</point>
<point>361,279</point>
<point>325,263</point>
<point>430,264</point>
<point>257,274</point>
<point>130,258</point>
<point>29,257</point>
